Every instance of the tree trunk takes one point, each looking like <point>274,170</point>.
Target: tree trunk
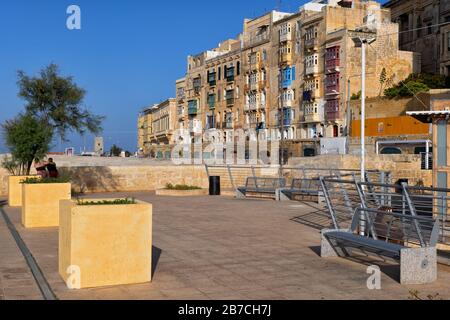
<point>29,167</point>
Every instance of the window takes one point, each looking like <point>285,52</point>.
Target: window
<point>448,41</point>
<point>391,150</point>
<point>442,143</point>
<point>211,101</point>
<point>238,68</point>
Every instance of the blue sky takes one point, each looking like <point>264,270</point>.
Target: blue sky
<point>127,55</point>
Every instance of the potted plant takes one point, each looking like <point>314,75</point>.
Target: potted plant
<point>105,242</point>
<point>40,201</point>
<point>181,190</point>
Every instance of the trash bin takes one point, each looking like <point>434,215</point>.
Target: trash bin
<point>214,186</point>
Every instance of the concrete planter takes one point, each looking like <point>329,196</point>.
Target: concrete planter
<point>182,193</point>
<point>40,203</point>
<point>105,245</point>
<point>15,190</point>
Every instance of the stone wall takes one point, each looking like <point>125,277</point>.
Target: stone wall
<point>90,179</point>
<point>126,179</point>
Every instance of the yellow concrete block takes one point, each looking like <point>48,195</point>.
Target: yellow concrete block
<point>40,201</point>
<point>105,245</point>
<point>15,190</point>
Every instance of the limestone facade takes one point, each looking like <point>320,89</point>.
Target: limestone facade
<point>291,75</point>
<point>156,126</point>
<point>423,29</point>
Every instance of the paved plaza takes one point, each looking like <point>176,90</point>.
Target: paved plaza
<point>217,248</point>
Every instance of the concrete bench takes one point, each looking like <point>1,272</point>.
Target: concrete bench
<point>410,240</point>
<point>302,189</point>
<point>262,187</point>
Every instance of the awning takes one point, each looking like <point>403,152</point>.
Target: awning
<point>429,116</point>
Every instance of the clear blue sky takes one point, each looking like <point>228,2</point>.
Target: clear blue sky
<point>127,55</point>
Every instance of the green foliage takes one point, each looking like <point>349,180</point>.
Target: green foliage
<point>13,166</point>
<point>407,89</point>
<point>115,151</point>
<point>383,80</point>
<point>416,83</point>
<point>58,101</point>
<point>356,96</point>
<point>106,202</point>
<point>27,138</point>
<point>181,187</point>
<point>38,180</point>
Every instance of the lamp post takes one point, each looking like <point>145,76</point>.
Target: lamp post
<point>362,41</point>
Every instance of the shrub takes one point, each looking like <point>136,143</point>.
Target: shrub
<point>124,201</point>
<point>181,187</point>
<point>407,89</point>
<point>46,180</point>
<point>356,96</point>
<point>416,83</point>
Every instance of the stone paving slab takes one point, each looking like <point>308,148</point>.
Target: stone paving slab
<point>224,248</point>
<point>16,280</point>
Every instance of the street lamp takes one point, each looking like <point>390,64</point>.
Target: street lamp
<point>361,41</point>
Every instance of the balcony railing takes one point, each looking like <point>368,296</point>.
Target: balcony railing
<point>311,43</point>
<point>332,64</point>
<point>227,125</point>
<point>258,39</point>
<point>312,70</point>
<point>254,86</point>
<point>192,108</point>
<point>230,102</point>
<point>286,37</point>
<point>332,89</point>
<point>286,58</point>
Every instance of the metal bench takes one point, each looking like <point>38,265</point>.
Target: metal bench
<point>301,189</point>
<point>262,187</point>
<point>409,239</point>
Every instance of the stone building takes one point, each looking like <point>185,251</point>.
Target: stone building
<point>157,126</point>
<point>424,28</point>
<point>290,76</point>
<point>439,117</point>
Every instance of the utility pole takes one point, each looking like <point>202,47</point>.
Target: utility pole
<point>363,110</point>
<point>362,41</point>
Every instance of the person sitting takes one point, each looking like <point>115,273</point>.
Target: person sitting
<point>41,168</point>
<point>51,168</point>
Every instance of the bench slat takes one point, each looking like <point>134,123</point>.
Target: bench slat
<point>366,242</point>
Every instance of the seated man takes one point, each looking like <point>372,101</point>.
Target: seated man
<point>40,167</point>
<point>51,168</point>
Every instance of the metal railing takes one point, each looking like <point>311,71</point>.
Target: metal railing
<point>344,197</point>
<point>236,175</point>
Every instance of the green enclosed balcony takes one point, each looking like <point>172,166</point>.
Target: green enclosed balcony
<point>192,107</point>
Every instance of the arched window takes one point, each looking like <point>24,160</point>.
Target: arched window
<point>391,150</point>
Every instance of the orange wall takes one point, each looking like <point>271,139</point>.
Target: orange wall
<point>382,127</point>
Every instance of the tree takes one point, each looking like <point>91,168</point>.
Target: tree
<point>115,151</point>
<point>416,83</point>
<point>27,138</point>
<point>407,89</point>
<point>383,79</point>
<point>58,101</point>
